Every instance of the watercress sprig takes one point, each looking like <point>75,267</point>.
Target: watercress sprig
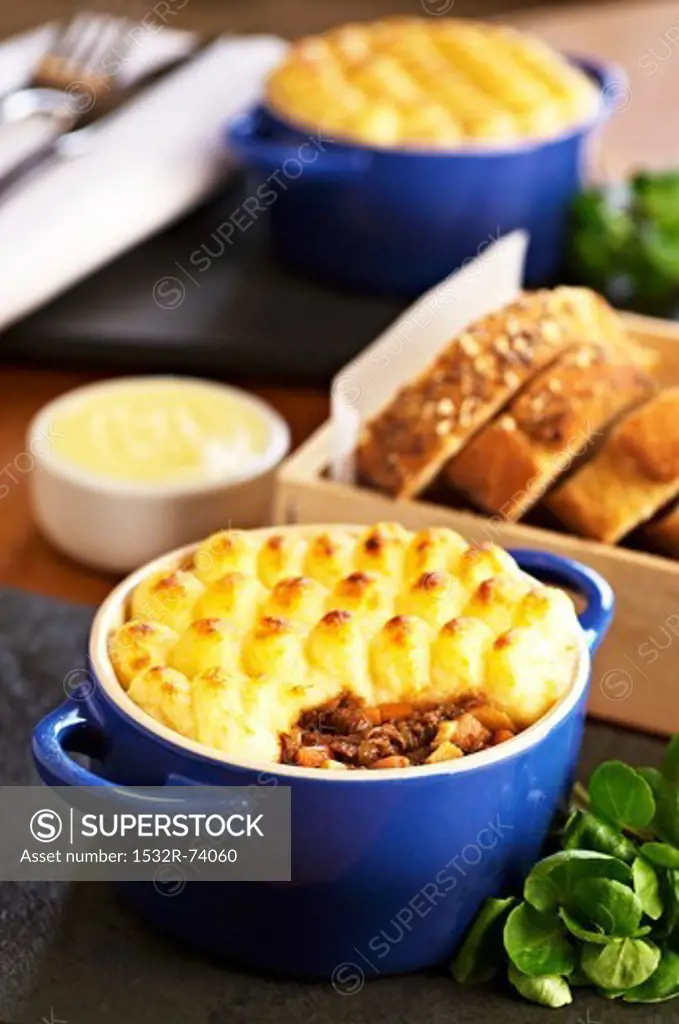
<point>604,910</point>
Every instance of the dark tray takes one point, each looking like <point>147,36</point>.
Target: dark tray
<point>155,310</point>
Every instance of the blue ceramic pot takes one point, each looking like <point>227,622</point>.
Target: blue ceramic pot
<point>388,867</point>
<point>398,221</point>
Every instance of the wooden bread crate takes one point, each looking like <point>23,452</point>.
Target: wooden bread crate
<point>635,681</point>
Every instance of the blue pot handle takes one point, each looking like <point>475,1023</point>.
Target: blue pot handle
<point>571,575</point>
<point>57,733</point>
<point>62,730</point>
<point>612,81</point>
<point>251,144</point>
<point>65,728</point>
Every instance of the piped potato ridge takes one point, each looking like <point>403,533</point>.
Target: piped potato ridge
<point>430,83</point>
<point>251,643</point>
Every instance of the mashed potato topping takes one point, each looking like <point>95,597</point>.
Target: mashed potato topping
<point>430,83</point>
<point>231,648</point>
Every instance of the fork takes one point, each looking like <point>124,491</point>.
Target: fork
<point>66,90</point>
<point>77,51</point>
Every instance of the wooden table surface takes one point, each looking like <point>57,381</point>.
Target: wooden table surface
<point>643,37</point>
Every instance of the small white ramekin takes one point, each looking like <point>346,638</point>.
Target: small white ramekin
<point>117,526</point>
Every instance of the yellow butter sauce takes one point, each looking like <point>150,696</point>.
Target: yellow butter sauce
<point>160,431</point>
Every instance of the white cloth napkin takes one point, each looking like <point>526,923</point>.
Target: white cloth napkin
<point>148,163</point>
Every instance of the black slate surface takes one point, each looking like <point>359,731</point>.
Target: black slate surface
<point>77,955</point>
<point>241,316</point>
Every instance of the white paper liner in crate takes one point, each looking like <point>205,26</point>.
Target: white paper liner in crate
<point>403,350</point>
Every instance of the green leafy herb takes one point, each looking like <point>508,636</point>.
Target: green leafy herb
<point>536,943</point>
<point>621,795</point>
<point>669,923</point>
<point>663,983</point>
<point>583,933</point>
<point>481,951</point>
<point>662,854</point>
<point>584,831</point>
<point>657,195</point>
<point>551,881</point>
<point>549,990</point>
<point>620,965</point>
<point>669,764</point>
<point>665,822</point>
<point>603,911</point>
<point>578,979</point>
<point>624,241</point>
<point>610,905</point>
<point>647,888</point>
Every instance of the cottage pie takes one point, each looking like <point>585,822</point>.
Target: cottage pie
<point>346,648</point>
<point>428,82</point>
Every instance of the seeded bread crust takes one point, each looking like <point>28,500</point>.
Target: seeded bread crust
<point>634,474</point>
<point>512,463</point>
<point>429,420</point>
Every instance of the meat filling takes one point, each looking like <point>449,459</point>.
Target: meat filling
<point>345,734</point>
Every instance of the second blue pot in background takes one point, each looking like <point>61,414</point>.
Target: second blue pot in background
<point>397,221</point>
